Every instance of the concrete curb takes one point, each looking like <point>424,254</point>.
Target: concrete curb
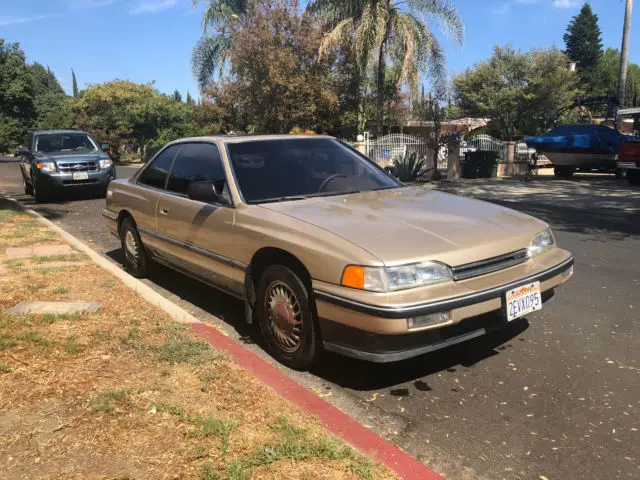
<point>333,419</point>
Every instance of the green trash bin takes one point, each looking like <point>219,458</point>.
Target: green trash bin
<point>489,164</point>
<point>471,164</point>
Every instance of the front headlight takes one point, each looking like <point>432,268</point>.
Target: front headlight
<point>105,163</point>
<point>47,166</point>
<point>541,242</point>
<point>389,279</point>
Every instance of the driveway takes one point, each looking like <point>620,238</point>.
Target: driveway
<point>556,396</point>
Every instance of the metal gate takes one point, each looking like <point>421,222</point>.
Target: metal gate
<point>386,149</point>
<point>483,142</point>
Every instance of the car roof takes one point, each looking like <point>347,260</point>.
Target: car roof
<point>249,138</point>
<point>35,132</point>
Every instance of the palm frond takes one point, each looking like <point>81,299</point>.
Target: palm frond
<point>340,34</point>
<point>444,12</point>
<point>219,13</point>
<point>209,54</point>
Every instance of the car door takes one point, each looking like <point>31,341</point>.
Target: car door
<point>199,235</point>
<point>142,201</point>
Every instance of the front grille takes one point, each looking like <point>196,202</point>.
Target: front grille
<point>483,267</point>
<point>80,182</point>
<point>78,167</point>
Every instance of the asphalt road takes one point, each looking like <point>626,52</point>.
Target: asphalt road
<point>556,396</point>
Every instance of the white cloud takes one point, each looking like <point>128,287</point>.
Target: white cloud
<point>153,6</point>
<point>565,3</point>
<point>6,21</point>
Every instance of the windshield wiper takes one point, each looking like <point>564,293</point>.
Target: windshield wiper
<point>282,199</point>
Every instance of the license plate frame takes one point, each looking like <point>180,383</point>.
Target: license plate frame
<point>80,176</point>
<point>530,296</point>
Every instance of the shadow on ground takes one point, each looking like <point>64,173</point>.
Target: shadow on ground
<point>343,371</point>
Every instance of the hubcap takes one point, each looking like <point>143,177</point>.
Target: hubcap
<point>284,317</point>
<point>131,246</point>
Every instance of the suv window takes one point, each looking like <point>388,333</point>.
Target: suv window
<point>196,162</point>
<point>155,175</point>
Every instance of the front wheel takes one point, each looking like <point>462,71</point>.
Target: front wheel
<point>136,261</point>
<point>37,192</point>
<point>634,177</point>
<point>286,318</point>
<point>28,189</point>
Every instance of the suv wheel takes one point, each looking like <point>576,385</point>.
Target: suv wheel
<point>37,192</point>
<point>136,261</point>
<point>286,318</point>
<point>634,177</point>
<point>28,189</point>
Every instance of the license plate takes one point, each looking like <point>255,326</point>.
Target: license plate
<point>80,176</point>
<point>523,300</point>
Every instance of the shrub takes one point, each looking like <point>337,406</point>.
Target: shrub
<point>409,167</point>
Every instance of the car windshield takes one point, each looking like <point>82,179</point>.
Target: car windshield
<point>274,170</point>
<point>65,142</point>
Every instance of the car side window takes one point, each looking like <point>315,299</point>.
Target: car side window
<point>196,162</point>
<point>155,175</point>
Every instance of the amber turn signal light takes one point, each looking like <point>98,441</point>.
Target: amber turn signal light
<point>353,277</point>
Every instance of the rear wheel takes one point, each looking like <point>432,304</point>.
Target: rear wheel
<point>634,177</point>
<point>136,260</point>
<point>286,318</point>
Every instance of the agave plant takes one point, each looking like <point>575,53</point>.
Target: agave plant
<point>409,167</point>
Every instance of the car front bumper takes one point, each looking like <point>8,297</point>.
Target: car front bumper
<point>628,165</point>
<point>57,181</point>
<point>378,331</point>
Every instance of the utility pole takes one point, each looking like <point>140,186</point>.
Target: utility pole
<point>624,56</point>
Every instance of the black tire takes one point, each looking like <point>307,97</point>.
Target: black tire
<point>136,260</point>
<point>619,173</point>
<point>563,172</point>
<point>37,192</point>
<point>634,177</point>
<point>281,283</point>
<point>28,189</point>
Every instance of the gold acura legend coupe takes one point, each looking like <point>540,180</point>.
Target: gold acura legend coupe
<point>329,251</point>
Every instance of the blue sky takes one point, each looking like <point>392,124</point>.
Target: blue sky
<point>145,40</point>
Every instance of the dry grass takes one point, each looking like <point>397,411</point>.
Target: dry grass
<point>126,393</point>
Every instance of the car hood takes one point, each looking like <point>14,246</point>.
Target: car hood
<point>66,157</point>
<point>410,224</point>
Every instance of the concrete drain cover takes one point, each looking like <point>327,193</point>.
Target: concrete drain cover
<point>54,308</point>
<point>46,251</point>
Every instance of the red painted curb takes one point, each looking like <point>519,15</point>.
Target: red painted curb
<point>336,421</point>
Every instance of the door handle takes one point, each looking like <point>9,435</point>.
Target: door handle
<point>164,211</point>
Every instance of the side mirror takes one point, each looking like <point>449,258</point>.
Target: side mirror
<point>208,192</point>
<point>104,146</point>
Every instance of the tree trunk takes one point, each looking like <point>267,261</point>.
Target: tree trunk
<point>382,67</point>
<point>624,56</point>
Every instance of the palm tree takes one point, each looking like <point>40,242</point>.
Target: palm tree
<point>375,27</point>
<point>211,53</point>
<point>624,55</point>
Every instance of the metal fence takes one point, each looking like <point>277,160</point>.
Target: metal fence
<point>392,147</point>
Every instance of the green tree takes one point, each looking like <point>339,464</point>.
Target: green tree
<point>583,41</point>
<point>17,96</point>
<point>605,78</point>
<point>277,78</point>
<point>378,27</point>
<point>189,99</point>
<point>176,96</point>
<point>519,92</point>
<point>211,53</point>
<point>75,84</point>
